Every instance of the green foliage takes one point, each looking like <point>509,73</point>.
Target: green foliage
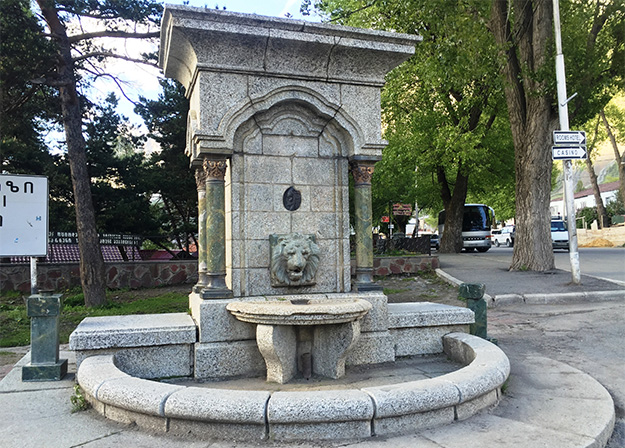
<point>594,61</point>
<point>589,214</point>
<point>168,176</point>
<point>119,174</point>
<point>15,324</point>
<point>616,206</point>
<point>579,186</point>
<point>27,105</point>
<point>443,109</point>
<point>78,400</point>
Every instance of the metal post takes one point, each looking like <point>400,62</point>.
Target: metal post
<point>33,275</point>
<point>563,113</point>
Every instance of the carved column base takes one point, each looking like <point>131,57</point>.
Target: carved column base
<point>201,283</point>
<point>215,287</point>
<point>364,280</point>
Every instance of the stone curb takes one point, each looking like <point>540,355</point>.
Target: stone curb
<point>455,282</point>
<point>540,299</point>
<point>310,415</point>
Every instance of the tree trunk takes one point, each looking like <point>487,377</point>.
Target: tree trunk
<point>92,273</point>
<point>532,121</point>
<point>620,161</point>
<point>601,213</point>
<point>451,239</point>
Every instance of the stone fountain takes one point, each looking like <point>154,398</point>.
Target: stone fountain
<point>282,112</point>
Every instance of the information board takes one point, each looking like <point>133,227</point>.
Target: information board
<point>402,209</point>
<point>23,215</point>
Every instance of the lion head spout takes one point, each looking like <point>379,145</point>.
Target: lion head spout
<point>294,260</point>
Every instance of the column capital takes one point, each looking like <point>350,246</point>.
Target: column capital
<point>200,178</point>
<point>362,171</point>
<point>215,169</point>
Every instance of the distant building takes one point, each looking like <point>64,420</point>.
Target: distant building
<point>585,198</point>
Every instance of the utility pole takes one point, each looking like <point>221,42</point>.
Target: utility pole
<point>563,113</point>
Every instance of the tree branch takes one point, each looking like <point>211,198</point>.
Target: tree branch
<point>115,80</point>
<point>107,54</point>
<point>111,33</point>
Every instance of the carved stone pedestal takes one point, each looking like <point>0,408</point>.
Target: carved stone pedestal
<point>335,329</point>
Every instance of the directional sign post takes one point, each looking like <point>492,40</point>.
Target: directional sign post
<point>566,137</point>
<point>569,138</point>
<point>569,145</point>
<point>569,152</point>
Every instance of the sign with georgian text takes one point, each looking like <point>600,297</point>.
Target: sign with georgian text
<point>23,215</point>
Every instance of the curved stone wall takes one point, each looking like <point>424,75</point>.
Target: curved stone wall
<point>301,415</point>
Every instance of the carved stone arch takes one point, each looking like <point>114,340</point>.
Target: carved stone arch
<point>337,124</point>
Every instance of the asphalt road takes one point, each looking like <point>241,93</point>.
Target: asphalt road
<point>602,262</point>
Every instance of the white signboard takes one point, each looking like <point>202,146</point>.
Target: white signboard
<point>569,138</point>
<point>23,215</point>
<point>568,152</point>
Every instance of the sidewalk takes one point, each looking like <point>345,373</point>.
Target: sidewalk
<point>546,403</point>
<point>504,287</point>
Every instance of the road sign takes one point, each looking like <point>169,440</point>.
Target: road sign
<point>566,152</point>
<point>23,215</point>
<point>402,209</point>
<point>569,138</point>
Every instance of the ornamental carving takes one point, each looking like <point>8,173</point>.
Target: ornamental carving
<point>200,178</point>
<point>294,260</point>
<point>215,169</point>
<point>362,173</point>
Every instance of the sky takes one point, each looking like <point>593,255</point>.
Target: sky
<point>143,80</point>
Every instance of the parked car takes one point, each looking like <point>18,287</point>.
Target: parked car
<point>503,236</point>
<point>559,235</point>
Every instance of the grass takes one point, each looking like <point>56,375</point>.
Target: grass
<point>389,291</point>
<point>15,324</point>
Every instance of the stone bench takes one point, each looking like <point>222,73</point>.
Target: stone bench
<point>149,345</point>
<point>418,328</point>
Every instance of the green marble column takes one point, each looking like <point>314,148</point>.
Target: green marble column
<point>200,180</point>
<point>215,235</point>
<point>362,171</point>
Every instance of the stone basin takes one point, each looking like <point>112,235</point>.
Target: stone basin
<point>300,311</point>
<point>313,336</point>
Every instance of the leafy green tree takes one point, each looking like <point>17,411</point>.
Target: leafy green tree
<point>25,103</point>
<point>441,107</point>
<point>28,108</point>
<point>589,214</point>
<point>169,177</point>
<point>593,45</point>
<point>119,174</point>
<point>79,57</point>
<point>613,135</point>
